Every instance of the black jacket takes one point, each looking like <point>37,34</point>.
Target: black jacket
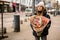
<point>45,31</point>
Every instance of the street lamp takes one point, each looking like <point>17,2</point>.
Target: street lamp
<point>20,6</point>
<point>57,5</point>
<point>33,7</point>
<point>2,21</point>
<point>56,8</point>
<point>16,5</point>
<point>2,18</point>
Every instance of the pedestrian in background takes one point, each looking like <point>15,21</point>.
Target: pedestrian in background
<point>41,12</point>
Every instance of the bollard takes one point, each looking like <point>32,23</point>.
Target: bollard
<point>21,22</point>
<point>25,19</point>
<point>16,23</point>
<point>4,31</point>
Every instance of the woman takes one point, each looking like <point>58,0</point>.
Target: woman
<point>41,12</point>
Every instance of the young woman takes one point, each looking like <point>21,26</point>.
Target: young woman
<point>41,12</point>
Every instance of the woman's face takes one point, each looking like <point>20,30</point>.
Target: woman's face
<point>40,8</point>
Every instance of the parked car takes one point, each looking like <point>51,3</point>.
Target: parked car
<point>54,11</point>
<point>28,12</point>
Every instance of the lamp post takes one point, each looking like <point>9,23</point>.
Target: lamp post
<point>56,12</point>
<point>15,6</point>
<point>2,17</point>
<point>20,6</point>
<point>33,7</point>
<point>57,5</point>
<point>57,8</point>
<point>2,21</point>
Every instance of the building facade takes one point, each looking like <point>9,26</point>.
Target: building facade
<point>4,5</point>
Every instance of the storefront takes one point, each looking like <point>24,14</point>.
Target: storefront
<point>0,7</point>
<point>5,5</point>
<point>15,7</point>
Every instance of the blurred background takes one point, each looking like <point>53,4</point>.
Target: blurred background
<point>15,15</point>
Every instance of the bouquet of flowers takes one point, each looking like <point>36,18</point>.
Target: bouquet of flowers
<point>40,22</point>
<point>37,22</point>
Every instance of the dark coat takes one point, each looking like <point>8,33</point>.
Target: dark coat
<point>45,31</point>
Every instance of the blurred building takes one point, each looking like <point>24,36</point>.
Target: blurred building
<point>12,6</point>
<point>54,3</point>
<point>4,4</point>
<point>27,3</point>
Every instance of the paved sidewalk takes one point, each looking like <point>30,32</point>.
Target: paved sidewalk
<point>26,32</point>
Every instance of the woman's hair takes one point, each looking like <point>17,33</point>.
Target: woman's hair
<point>42,8</point>
<point>44,12</point>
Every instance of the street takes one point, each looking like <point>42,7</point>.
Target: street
<point>25,29</point>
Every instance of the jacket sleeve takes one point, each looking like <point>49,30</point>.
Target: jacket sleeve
<point>31,26</point>
<point>49,24</point>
